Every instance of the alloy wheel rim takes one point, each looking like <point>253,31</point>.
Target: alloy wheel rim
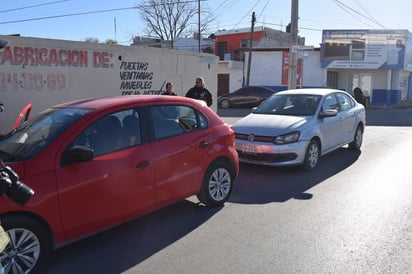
<point>359,138</point>
<point>225,104</point>
<point>22,253</point>
<point>219,184</point>
<point>313,155</point>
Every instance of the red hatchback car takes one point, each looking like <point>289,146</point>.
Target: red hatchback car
<point>97,163</point>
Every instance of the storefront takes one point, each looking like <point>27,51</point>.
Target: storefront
<point>377,61</point>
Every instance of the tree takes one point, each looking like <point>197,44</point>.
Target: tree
<point>91,40</point>
<point>111,42</point>
<point>169,19</point>
<point>96,41</point>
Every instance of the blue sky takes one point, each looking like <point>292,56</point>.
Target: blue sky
<point>16,17</point>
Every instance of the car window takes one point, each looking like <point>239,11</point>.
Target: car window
<point>34,135</point>
<point>174,120</point>
<point>330,102</point>
<point>112,132</point>
<point>290,104</point>
<point>267,93</point>
<point>241,92</point>
<point>345,102</point>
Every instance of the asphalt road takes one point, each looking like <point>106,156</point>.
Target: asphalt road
<point>352,214</point>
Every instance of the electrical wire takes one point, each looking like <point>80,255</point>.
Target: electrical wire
<point>64,15</point>
<point>352,11</point>
<point>33,6</point>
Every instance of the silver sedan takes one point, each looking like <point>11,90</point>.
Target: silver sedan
<point>297,127</point>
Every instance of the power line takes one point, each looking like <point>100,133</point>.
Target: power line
<point>80,13</point>
<point>281,25</point>
<point>264,7</point>
<point>64,15</point>
<point>246,14</point>
<point>34,6</point>
<point>346,7</point>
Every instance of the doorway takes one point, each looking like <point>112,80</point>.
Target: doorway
<point>223,81</point>
<point>362,80</point>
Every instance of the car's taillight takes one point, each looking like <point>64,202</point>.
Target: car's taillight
<point>232,136</point>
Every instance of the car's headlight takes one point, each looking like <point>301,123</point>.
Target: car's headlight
<point>287,138</point>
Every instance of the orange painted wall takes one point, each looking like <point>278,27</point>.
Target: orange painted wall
<point>234,40</point>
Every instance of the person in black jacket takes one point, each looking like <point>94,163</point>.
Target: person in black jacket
<point>359,97</point>
<point>169,89</point>
<point>200,92</point>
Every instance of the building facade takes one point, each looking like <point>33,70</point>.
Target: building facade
<point>377,61</point>
<point>232,48</point>
<point>46,72</point>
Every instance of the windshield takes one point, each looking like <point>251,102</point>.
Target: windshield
<point>36,134</point>
<point>290,104</point>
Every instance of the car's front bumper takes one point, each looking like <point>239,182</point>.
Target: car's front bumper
<point>266,153</point>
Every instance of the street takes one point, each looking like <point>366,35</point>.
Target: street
<point>352,214</point>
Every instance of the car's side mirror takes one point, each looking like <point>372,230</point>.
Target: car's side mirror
<point>327,113</point>
<point>76,154</point>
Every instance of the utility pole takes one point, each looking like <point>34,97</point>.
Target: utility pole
<point>198,21</point>
<point>250,48</point>
<point>293,54</point>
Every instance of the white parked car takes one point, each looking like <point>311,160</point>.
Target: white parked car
<point>296,127</point>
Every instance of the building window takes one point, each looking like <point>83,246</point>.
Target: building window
<point>244,43</point>
<point>358,50</point>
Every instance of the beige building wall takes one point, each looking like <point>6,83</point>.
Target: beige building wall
<point>47,72</point>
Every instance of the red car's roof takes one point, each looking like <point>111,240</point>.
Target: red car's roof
<point>107,102</point>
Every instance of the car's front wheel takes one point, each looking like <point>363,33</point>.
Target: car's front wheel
<point>217,184</point>
<point>357,140</point>
<point>28,248</point>
<point>312,155</point>
<point>225,103</point>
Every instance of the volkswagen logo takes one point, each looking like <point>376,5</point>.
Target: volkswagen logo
<point>251,137</point>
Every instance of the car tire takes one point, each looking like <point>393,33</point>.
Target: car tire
<point>312,155</point>
<point>217,184</point>
<point>357,140</point>
<point>225,103</point>
<point>28,248</point>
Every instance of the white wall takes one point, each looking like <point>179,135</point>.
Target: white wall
<point>46,72</point>
<point>235,69</point>
<point>313,75</point>
<point>266,69</point>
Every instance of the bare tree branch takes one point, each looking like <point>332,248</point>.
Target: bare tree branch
<point>170,19</point>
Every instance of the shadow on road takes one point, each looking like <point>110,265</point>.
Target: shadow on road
<point>263,184</point>
<point>121,248</point>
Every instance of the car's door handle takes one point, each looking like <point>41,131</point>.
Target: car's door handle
<point>144,164</point>
<point>203,144</point>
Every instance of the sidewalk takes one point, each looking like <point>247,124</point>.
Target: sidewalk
<point>405,104</point>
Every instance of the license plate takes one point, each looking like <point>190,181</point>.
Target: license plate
<point>247,148</point>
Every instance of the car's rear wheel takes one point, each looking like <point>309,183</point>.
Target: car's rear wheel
<point>357,140</point>
<point>28,248</point>
<point>225,103</point>
<point>217,184</point>
<point>312,155</point>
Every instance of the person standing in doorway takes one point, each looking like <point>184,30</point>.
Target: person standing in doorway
<point>200,92</point>
<point>359,97</point>
<point>169,89</point>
